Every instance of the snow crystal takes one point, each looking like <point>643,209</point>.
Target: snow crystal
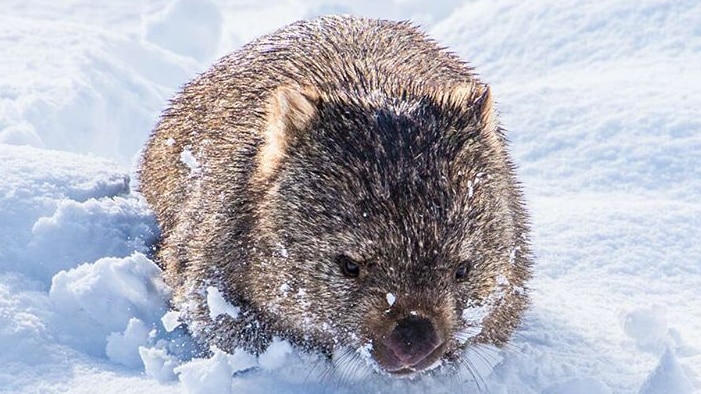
<point>473,317</point>
<point>190,161</point>
<point>512,255</point>
<point>475,314</point>
<point>282,250</point>
<point>390,299</point>
<point>365,351</point>
<point>171,320</point>
<point>502,280</point>
<point>218,305</point>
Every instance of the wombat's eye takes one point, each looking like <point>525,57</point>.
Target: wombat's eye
<point>462,271</point>
<point>349,267</point>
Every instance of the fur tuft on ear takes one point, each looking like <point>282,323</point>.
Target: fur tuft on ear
<point>476,100</point>
<point>485,105</point>
<point>294,106</point>
<point>289,111</point>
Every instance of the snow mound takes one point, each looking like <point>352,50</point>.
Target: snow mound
<point>54,201</point>
<point>113,295</point>
<point>668,377</point>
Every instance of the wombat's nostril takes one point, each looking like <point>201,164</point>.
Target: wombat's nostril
<point>412,340</point>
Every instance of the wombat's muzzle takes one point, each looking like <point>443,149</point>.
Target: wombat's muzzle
<point>412,345</point>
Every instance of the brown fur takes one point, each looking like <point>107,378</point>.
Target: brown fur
<point>339,136</point>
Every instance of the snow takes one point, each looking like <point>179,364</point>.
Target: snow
<point>601,102</point>
<point>276,355</point>
<point>190,161</point>
<point>668,377</point>
<point>391,298</point>
<point>108,308</point>
<point>171,320</point>
<point>211,375</point>
<point>123,348</point>
<point>217,305</point>
<point>158,364</point>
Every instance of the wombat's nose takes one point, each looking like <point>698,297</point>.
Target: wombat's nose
<point>412,340</point>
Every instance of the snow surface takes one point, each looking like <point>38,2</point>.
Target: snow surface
<point>601,100</point>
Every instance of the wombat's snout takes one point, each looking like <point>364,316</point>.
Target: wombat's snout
<point>413,345</point>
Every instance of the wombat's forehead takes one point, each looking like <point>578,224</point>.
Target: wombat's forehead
<point>381,108</point>
<point>393,147</point>
<point>392,185</point>
<point>396,230</point>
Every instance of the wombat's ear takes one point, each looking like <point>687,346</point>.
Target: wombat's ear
<point>293,107</point>
<point>289,111</point>
<point>477,101</point>
<point>484,106</point>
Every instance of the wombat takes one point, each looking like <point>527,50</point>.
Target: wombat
<point>344,184</point>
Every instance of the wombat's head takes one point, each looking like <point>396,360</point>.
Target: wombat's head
<point>390,225</point>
